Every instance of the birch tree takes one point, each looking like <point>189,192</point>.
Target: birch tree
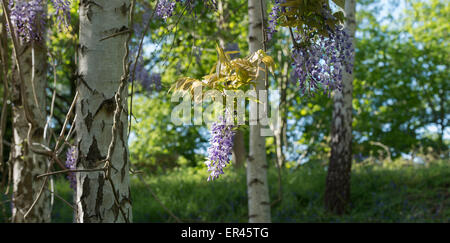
<point>257,185</point>
<point>32,55</point>
<point>102,50</point>
<point>337,192</point>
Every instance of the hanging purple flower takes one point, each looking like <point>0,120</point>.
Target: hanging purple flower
<point>273,17</point>
<point>165,8</point>
<point>28,19</point>
<point>149,81</point>
<point>221,145</point>
<point>62,8</point>
<point>71,165</point>
<point>319,62</point>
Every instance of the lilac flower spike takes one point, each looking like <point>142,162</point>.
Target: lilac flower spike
<point>71,165</point>
<point>319,62</point>
<point>28,19</point>
<point>273,16</point>
<point>164,9</point>
<point>221,145</point>
<point>62,8</point>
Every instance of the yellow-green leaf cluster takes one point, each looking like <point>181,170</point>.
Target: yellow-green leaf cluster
<point>310,13</point>
<point>227,73</point>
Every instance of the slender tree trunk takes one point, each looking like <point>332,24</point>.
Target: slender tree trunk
<point>281,128</point>
<point>100,70</point>
<point>257,185</point>
<point>26,164</point>
<point>239,154</point>
<point>337,192</point>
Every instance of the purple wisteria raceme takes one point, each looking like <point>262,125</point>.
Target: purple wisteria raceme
<point>165,8</point>
<point>273,17</point>
<point>71,165</point>
<point>319,62</point>
<point>62,9</point>
<point>149,81</point>
<point>28,19</point>
<point>221,145</point>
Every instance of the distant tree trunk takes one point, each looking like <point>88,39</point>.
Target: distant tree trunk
<point>337,192</point>
<point>100,70</point>
<point>238,153</point>
<point>26,164</point>
<point>280,131</point>
<point>257,185</point>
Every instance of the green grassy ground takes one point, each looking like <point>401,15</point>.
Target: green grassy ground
<point>393,193</point>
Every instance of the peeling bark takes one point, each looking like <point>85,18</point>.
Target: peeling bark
<point>257,185</point>
<point>26,164</point>
<point>100,69</point>
<point>337,192</point>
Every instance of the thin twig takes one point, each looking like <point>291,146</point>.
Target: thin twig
<point>178,220</point>
<point>63,200</point>
<point>133,73</point>
<point>68,171</point>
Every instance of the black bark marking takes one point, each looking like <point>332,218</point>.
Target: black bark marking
<point>255,180</point>
<point>83,50</point>
<point>108,105</point>
<point>99,201</point>
<point>115,211</point>
<point>88,121</point>
<point>80,79</point>
<point>84,195</point>
<point>124,9</point>
<point>93,155</point>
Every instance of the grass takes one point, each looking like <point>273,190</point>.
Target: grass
<point>393,193</point>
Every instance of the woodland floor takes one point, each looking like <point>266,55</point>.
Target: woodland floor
<point>395,192</point>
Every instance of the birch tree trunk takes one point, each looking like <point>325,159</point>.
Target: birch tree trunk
<point>337,191</point>
<point>26,164</point>
<point>100,70</point>
<point>257,185</point>
<point>280,131</point>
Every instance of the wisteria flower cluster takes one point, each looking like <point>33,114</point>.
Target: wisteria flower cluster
<point>273,16</point>
<point>71,165</point>
<point>320,55</point>
<point>165,8</point>
<point>28,18</point>
<point>319,62</point>
<point>149,81</point>
<point>221,145</point>
<point>62,8</point>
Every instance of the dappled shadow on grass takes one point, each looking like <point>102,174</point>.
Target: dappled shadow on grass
<point>406,194</point>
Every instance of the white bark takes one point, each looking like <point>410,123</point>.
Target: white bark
<point>257,185</point>
<point>337,193</point>
<point>26,164</point>
<point>100,70</point>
